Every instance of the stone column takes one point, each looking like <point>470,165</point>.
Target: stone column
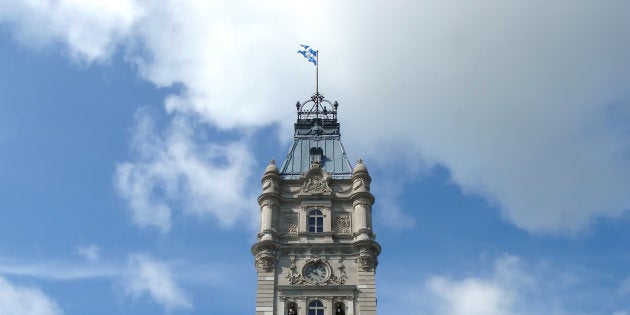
<point>350,307</point>
<point>269,200</point>
<point>328,306</point>
<point>362,201</point>
<point>303,307</point>
<point>361,212</point>
<point>268,208</point>
<point>282,307</point>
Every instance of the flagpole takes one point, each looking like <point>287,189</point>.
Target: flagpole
<point>317,72</point>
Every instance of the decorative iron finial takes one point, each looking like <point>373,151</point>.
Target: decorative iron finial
<point>318,107</point>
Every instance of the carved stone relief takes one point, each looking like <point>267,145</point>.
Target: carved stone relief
<point>265,260</point>
<point>295,277</point>
<point>268,203</point>
<point>343,224</point>
<point>265,263</point>
<point>316,181</point>
<point>360,184</point>
<point>361,202</point>
<point>290,223</point>
<point>270,185</point>
<point>340,276</point>
<point>366,262</point>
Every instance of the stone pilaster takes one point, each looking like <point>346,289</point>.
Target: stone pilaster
<point>266,260</point>
<point>265,294</point>
<point>366,297</point>
<point>362,201</point>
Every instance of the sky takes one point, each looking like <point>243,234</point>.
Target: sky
<point>133,135</point>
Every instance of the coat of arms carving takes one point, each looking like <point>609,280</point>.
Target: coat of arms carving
<point>316,180</point>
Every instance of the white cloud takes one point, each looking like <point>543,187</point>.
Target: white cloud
<point>21,300</point>
<point>228,58</point>
<point>149,276</point>
<point>471,297</point>
<point>496,295</point>
<point>511,101</point>
<point>507,285</point>
<point>89,252</point>
<point>510,286</point>
<point>58,270</point>
<point>178,169</point>
<point>90,30</point>
<point>525,103</point>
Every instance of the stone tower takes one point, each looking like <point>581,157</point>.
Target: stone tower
<point>316,253</point>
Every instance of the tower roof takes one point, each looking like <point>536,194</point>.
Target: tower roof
<point>316,140</point>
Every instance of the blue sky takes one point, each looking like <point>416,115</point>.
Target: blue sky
<point>134,134</point>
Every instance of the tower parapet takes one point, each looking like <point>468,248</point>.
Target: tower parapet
<point>316,139</point>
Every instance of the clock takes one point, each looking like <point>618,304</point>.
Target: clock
<point>315,272</point>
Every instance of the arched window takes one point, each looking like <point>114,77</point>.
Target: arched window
<point>315,221</point>
<point>315,308</point>
<point>292,309</point>
<point>340,309</point>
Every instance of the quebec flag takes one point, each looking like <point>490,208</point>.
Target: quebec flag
<point>309,53</point>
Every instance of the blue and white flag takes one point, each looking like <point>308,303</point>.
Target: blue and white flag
<point>309,53</point>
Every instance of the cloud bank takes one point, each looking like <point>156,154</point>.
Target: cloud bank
<point>496,295</point>
<point>22,300</point>
<point>177,169</point>
<point>508,286</point>
<point>525,103</point>
<point>140,276</point>
<point>89,30</point>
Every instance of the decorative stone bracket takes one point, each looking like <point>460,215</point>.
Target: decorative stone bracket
<point>367,262</point>
<point>265,256</point>
<point>265,263</point>
<point>368,256</point>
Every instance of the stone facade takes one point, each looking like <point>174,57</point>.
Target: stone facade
<point>316,245</point>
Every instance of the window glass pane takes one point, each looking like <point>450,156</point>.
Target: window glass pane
<point>315,221</point>
<point>316,308</point>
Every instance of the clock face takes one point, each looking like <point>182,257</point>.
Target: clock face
<point>316,272</point>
